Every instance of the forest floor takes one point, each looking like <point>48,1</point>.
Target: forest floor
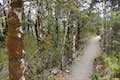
<point>82,68</point>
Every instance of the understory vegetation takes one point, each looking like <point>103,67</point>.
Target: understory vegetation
<point>55,33</point>
<point>107,66</point>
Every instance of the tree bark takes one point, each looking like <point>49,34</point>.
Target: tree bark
<point>15,41</point>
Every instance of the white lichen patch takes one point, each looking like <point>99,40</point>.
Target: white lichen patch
<point>23,51</point>
<point>20,29</point>
<point>19,35</point>
<point>23,77</point>
<point>23,65</point>
<point>22,61</point>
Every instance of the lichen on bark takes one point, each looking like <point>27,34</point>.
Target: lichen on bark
<point>15,42</point>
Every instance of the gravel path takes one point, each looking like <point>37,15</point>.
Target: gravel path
<point>83,67</point>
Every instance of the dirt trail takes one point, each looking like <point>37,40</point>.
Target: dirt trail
<point>83,67</point>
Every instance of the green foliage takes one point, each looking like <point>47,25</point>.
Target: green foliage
<point>45,53</point>
<point>2,39</point>
<point>26,21</point>
<point>115,24</point>
<point>3,64</point>
<point>115,18</point>
<point>3,55</point>
<point>30,43</point>
<point>111,63</point>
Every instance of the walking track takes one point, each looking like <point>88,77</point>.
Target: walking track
<point>83,67</point>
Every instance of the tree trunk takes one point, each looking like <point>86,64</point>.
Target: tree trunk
<point>4,14</point>
<point>15,41</point>
<point>74,39</point>
<point>77,44</point>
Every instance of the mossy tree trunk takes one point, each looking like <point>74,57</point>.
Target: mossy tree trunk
<point>15,41</point>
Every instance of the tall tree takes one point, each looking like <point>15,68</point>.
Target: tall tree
<point>15,41</point>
